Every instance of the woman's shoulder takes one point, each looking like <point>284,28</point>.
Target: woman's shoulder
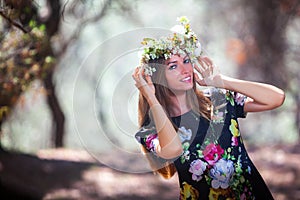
<point>226,101</point>
<point>218,96</point>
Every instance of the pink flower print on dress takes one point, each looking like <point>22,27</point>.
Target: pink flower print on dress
<point>234,141</point>
<point>239,99</point>
<point>151,142</point>
<point>212,153</point>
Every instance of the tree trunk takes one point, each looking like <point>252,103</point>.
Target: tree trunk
<point>27,12</point>
<point>56,111</point>
<point>265,60</point>
<point>52,26</point>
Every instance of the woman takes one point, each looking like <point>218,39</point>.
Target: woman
<point>196,133</point>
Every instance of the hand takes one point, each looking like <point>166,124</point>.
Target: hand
<point>143,82</point>
<point>208,75</point>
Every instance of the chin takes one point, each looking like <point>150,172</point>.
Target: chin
<point>188,87</point>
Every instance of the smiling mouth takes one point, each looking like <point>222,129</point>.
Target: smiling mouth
<point>186,79</point>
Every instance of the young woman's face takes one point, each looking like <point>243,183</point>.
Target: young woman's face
<point>179,73</point>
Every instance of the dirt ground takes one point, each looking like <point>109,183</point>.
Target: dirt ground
<point>67,174</point>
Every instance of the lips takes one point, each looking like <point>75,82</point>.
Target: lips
<point>187,79</point>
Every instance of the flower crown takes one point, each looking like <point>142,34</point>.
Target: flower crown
<point>183,41</point>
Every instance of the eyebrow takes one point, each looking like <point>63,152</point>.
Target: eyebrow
<point>172,62</point>
<point>175,61</point>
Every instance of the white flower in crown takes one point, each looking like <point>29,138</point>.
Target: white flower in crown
<point>198,50</point>
<point>149,70</point>
<point>178,29</point>
<point>183,20</point>
<point>183,41</point>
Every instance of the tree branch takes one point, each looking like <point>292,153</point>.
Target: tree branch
<point>81,26</point>
<point>19,26</point>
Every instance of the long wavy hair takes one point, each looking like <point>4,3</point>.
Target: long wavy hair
<point>197,101</point>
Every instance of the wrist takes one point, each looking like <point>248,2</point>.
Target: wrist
<point>152,100</point>
<point>227,82</point>
<point>217,81</point>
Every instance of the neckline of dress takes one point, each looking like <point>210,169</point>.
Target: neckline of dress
<point>182,114</point>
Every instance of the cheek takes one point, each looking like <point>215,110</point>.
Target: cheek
<point>191,67</point>
<point>172,81</point>
<point>170,77</point>
<point>172,74</point>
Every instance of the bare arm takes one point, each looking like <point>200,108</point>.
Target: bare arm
<point>169,142</point>
<point>261,96</point>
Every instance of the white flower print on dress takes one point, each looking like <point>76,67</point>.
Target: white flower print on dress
<point>186,155</point>
<point>184,134</point>
<point>221,174</point>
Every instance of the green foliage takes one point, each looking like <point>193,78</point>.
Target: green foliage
<point>24,57</point>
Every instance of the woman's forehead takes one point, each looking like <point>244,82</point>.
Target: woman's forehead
<point>176,57</point>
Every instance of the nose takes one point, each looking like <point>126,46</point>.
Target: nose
<point>185,68</point>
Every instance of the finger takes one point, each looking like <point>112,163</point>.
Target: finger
<point>208,60</point>
<point>196,76</point>
<point>203,63</point>
<point>142,72</point>
<point>140,78</point>
<point>135,74</point>
<point>202,67</point>
<point>149,80</point>
<point>207,63</point>
<point>198,69</point>
<point>210,66</point>
<point>201,82</point>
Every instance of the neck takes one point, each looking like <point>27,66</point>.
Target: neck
<point>178,105</point>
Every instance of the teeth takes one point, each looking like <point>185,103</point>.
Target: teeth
<point>186,79</point>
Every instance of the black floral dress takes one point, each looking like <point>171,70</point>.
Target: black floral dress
<point>214,163</point>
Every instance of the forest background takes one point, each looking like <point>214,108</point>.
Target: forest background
<point>68,105</point>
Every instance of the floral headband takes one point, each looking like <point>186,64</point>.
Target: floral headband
<point>183,41</point>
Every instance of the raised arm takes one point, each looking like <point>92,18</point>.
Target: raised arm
<point>169,142</point>
<point>261,96</point>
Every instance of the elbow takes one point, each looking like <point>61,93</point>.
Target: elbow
<point>171,153</point>
<point>280,99</point>
<point>177,152</point>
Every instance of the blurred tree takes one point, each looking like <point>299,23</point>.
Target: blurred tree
<point>29,31</point>
<point>29,55</point>
<point>32,45</point>
<point>261,51</point>
<point>265,45</point>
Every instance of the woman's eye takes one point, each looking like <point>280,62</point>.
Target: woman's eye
<point>187,61</point>
<point>172,67</point>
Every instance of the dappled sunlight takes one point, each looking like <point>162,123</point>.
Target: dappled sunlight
<point>111,183</point>
<point>279,166</point>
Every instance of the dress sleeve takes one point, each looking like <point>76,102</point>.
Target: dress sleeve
<point>221,97</point>
<point>147,136</point>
